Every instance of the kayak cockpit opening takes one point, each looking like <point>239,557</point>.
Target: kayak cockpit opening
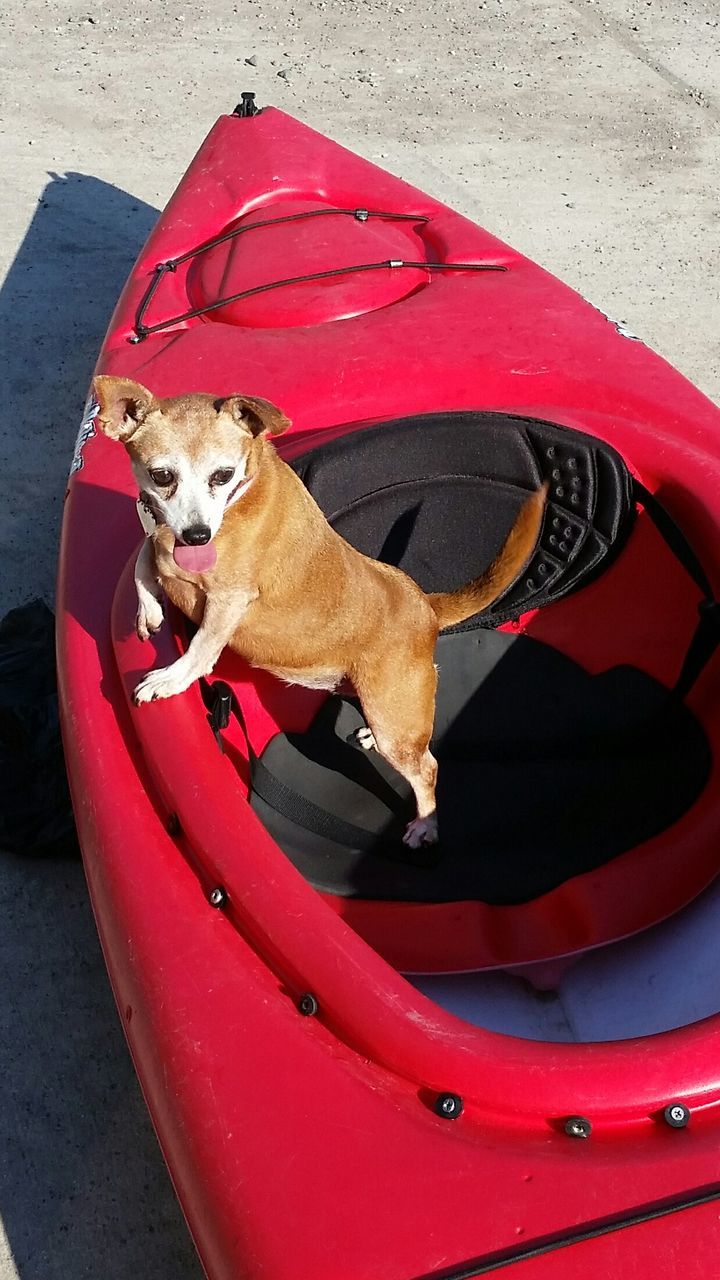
<point>574,766</point>
<point>659,980</point>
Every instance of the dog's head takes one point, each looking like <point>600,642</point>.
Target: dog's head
<point>192,455</point>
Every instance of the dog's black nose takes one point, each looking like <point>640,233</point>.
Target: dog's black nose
<point>196,535</point>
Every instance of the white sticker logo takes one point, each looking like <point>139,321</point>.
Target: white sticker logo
<point>620,325</point>
<point>623,330</point>
<point>86,432</point>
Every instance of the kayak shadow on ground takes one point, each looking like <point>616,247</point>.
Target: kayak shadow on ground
<point>83,1190</point>
<point>55,304</point>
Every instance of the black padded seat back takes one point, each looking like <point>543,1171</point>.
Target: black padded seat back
<point>437,494</point>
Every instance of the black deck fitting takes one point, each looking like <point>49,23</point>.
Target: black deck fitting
<point>246,107</point>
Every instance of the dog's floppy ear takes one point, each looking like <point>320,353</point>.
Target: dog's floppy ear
<point>255,415</point>
<point>123,405</point>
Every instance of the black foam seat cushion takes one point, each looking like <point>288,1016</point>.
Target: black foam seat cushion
<point>545,773</point>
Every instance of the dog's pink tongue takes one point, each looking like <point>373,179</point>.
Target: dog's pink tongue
<point>195,559</point>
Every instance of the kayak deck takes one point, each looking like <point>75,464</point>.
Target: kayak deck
<point>272,1109</point>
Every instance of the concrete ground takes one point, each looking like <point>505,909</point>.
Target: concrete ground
<point>585,132</point>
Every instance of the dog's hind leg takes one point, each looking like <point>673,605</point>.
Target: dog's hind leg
<point>422,775</point>
<point>398,698</point>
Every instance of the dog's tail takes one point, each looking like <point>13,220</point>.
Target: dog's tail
<point>455,606</point>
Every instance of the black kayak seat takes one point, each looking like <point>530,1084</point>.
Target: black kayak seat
<point>437,494</point>
<point>546,772</point>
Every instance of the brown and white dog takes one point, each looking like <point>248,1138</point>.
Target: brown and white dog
<point>241,547</point>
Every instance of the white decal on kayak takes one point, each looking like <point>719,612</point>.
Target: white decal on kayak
<point>620,325</point>
<point>86,432</point>
<point>623,330</point>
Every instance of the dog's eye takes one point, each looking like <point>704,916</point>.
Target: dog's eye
<point>223,476</point>
<point>162,477</point>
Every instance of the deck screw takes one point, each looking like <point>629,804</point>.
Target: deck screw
<point>578,1127</point>
<point>218,897</point>
<point>308,1005</point>
<point>677,1115</point>
<point>449,1106</point>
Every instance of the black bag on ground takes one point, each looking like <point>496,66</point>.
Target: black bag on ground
<point>36,815</point>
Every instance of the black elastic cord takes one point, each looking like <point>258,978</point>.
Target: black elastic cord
<point>360,215</point>
<point>143,330</point>
<point>706,637</point>
<point>171,264</point>
<point>497,1261</point>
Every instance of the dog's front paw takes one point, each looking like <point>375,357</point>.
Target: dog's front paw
<point>162,683</point>
<point>421,831</point>
<point>149,618</point>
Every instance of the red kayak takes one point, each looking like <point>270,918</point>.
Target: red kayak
<point>286,970</point>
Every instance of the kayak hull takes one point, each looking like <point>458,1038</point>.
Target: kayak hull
<point>311,1145</point>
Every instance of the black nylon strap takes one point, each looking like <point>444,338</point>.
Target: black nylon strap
<point>673,535</point>
<point>322,822</point>
<point>220,699</point>
<point>706,636</point>
<point>705,641</point>
<point>308,815</point>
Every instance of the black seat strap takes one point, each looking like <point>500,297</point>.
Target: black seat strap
<point>307,814</point>
<point>221,701</point>
<point>703,644</point>
<point>673,535</point>
<point>706,636</point>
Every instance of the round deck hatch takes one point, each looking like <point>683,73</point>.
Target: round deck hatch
<point>302,238</point>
